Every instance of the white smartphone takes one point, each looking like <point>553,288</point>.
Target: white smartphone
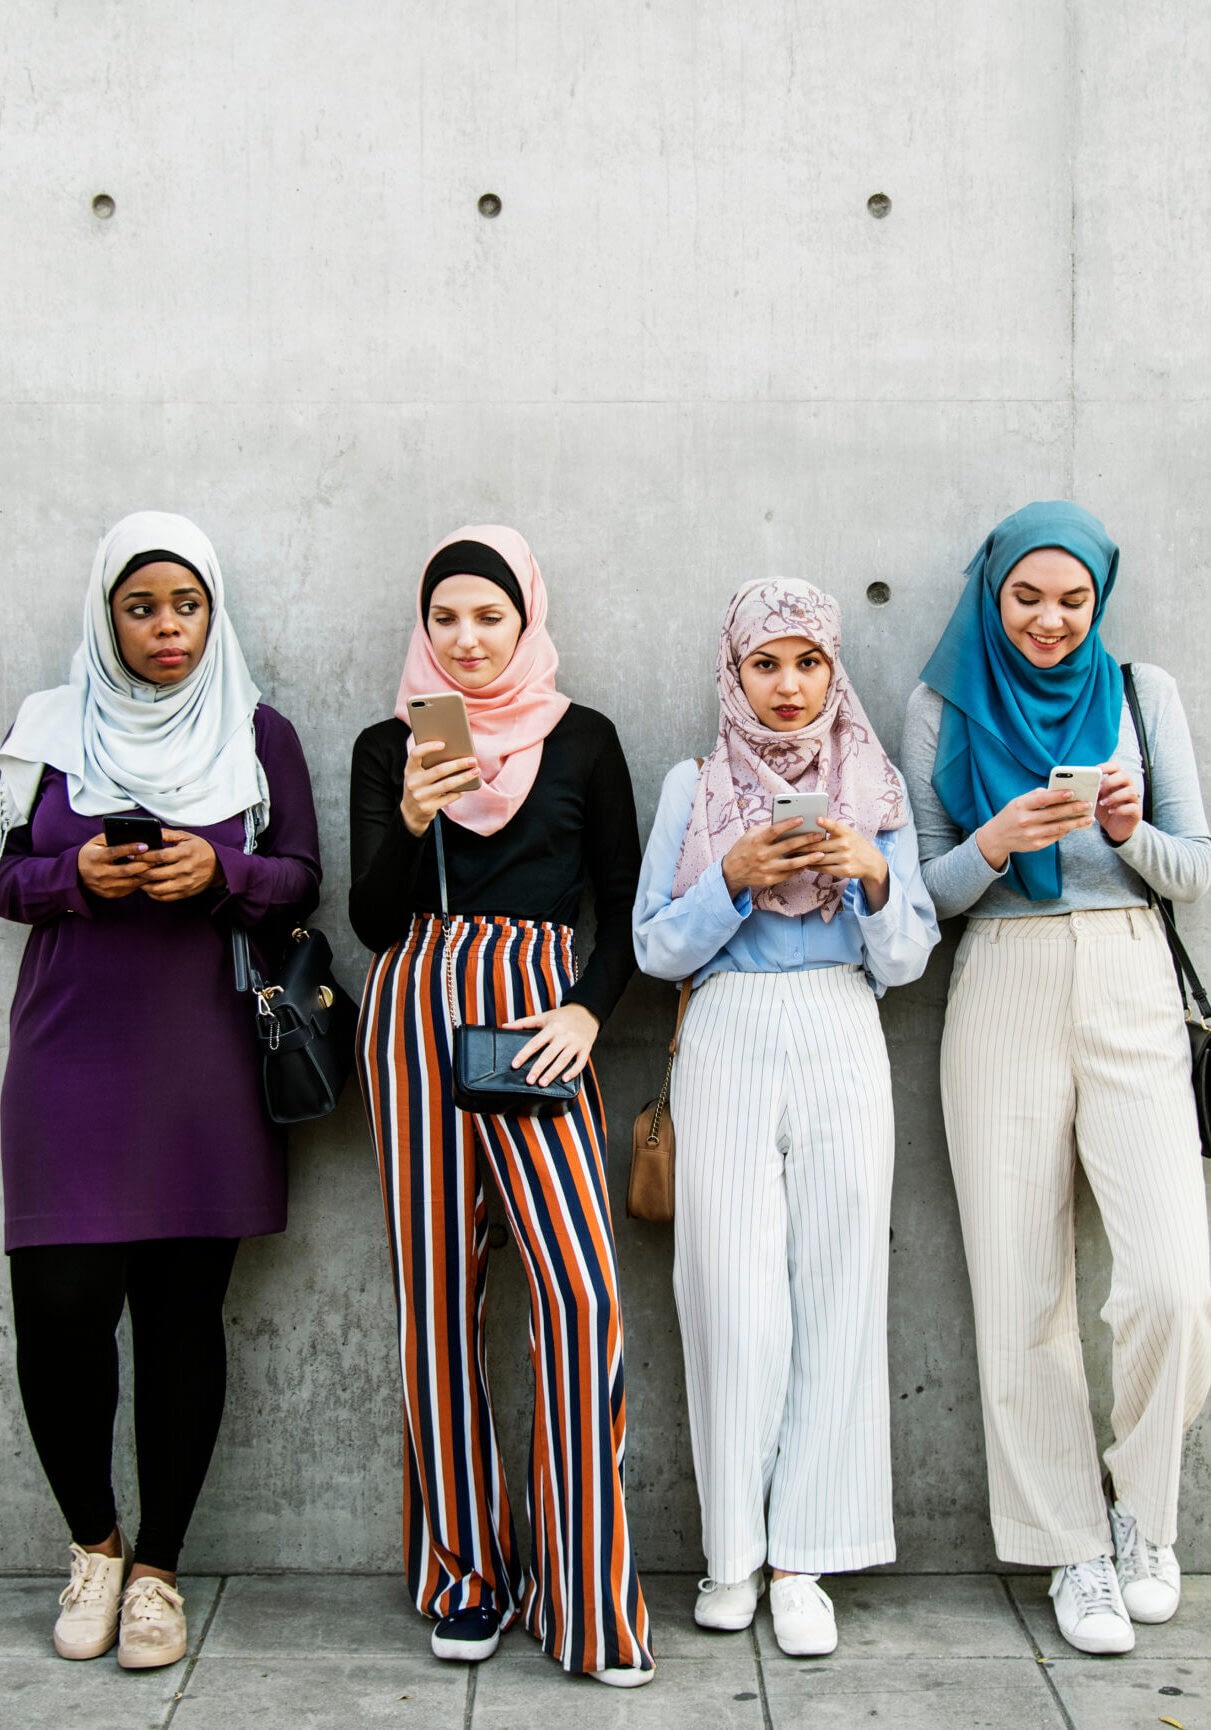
<point>444,716</point>
<point>808,806</point>
<point>1082,782</point>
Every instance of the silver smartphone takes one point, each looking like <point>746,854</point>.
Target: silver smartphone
<point>1082,782</point>
<point>444,716</point>
<point>810,807</point>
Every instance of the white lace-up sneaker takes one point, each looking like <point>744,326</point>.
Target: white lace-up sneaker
<point>728,1607</point>
<point>1089,1607</point>
<point>1148,1574</point>
<point>805,1624</point>
<point>153,1625</point>
<point>88,1619</point>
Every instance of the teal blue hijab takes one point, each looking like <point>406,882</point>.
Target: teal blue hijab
<point>1004,721</point>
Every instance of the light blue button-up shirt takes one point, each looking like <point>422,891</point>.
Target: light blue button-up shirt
<point>705,931</point>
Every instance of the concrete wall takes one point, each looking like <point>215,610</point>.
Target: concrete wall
<point>683,354</point>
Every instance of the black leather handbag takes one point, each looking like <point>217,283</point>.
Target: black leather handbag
<point>483,1078</point>
<point>305,1023</point>
<point>1197,1026</point>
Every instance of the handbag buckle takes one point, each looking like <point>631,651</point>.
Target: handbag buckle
<point>264,1007</point>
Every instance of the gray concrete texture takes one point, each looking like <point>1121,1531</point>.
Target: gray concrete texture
<point>683,354</point>
<point>918,1652</point>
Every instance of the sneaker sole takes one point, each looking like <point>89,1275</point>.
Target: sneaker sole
<point>1097,1648</point>
<point>93,1649</point>
<point>726,1624</point>
<point>464,1651</point>
<point>623,1678</point>
<point>152,1660</point>
<point>813,1651</point>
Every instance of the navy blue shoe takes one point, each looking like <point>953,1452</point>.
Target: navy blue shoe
<point>471,1635</point>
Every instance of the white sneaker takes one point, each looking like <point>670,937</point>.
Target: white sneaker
<point>1089,1607</point>
<point>1148,1574</point>
<point>805,1624</point>
<point>88,1619</point>
<point>728,1607</point>
<point>153,1625</point>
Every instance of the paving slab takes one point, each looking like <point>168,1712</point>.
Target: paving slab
<point>1188,1635</point>
<point>526,1688</point>
<point>318,1613</point>
<point>288,1691</point>
<point>47,1694</point>
<point>1130,1693</point>
<point>914,1615</point>
<point>946,1694</point>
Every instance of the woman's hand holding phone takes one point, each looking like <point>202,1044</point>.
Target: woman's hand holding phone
<point>763,858</point>
<point>429,787</point>
<point>184,866</point>
<point>844,853</point>
<point>1031,822</point>
<point>560,1049</point>
<point>1119,809</point>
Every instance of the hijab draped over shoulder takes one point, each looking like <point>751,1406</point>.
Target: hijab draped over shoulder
<point>1005,722</point>
<point>838,753</point>
<point>512,715</point>
<point>186,752</point>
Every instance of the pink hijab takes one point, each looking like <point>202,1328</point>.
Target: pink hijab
<point>510,717</point>
<point>837,753</point>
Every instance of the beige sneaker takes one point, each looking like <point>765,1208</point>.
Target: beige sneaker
<point>153,1625</point>
<point>88,1619</point>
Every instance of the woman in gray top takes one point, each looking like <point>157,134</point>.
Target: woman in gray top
<point>1064,1038</point>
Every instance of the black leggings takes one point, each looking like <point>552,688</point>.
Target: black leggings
<point>67,1301</point>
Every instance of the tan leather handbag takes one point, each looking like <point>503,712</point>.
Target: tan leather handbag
<point>651,1188</point>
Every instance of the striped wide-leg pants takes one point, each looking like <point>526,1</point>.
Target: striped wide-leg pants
<point>581,1597</point>
<point>1064,1040</point>
<point>782,1100</point>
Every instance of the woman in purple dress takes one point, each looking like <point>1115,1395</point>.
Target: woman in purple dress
<point>136,1150</point>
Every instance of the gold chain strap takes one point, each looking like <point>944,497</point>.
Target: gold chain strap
<point>662,1098</point>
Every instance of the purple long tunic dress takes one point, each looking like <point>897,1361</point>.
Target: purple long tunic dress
<point>131,1105</point>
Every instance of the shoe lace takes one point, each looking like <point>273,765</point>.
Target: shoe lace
<point>148,1598</point>
<point>1093,1583</point>
<point>87,1583</point>
<point>800,1592</point>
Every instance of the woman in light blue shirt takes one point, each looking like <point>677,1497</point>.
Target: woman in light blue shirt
<point>782,1099</point>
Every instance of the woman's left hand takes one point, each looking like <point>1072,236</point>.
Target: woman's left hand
<point>846,853</point>
<point>560,1049</point>
<point>1118,807</point>
<point>182,869</point>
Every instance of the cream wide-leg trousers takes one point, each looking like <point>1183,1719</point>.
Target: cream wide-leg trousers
<point>781,1098</point>
<point>1064,1039</point>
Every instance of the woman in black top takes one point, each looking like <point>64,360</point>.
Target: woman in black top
<point>554,807</point>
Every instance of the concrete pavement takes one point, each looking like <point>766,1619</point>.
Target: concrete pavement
<point>344,1650</point>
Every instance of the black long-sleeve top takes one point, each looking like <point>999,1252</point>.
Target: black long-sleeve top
<point>578,822</point>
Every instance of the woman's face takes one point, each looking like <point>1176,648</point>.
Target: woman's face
<point>161,617</point>
<point>1047,603</point>
<point>474,627</point>
<point>786,682</point>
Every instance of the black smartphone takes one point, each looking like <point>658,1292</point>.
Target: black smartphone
<point>129,831</point>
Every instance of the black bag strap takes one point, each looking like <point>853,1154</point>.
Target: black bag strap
<point>1182,964</point>
<point>455,1020</point>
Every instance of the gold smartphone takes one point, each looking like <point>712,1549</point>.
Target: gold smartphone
<point>444,716</point>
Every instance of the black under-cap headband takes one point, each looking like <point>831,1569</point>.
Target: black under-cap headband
<point>159,556</point>
<point>470,559</point>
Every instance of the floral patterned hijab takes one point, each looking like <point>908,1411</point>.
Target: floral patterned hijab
<point>838,753</point>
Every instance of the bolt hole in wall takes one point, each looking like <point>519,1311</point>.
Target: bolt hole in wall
<point>878,594</point>
<point>878,204</point>
<point>489,205</point>
<point>103,206</point>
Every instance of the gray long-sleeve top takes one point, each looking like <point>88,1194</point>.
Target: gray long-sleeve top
<point>1171,855</point>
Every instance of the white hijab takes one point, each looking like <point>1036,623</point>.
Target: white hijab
<point>186,752</point>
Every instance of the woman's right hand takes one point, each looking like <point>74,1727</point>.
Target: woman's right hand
<point>1031,822</point>
<point>111,872</point>
<point>428,787</point>
<point>765,857</point>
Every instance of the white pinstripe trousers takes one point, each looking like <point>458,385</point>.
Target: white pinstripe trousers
<point>1064,1038</point>
<point>782,1101</point>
